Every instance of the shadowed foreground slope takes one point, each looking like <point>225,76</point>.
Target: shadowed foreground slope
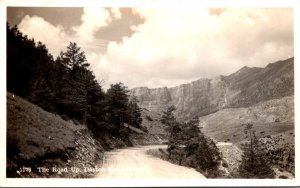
<point>36,138</point>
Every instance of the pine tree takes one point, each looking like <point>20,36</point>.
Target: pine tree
<point>44,80</point>
<point>80,82</point>
<point>116,101</point>
<point>27,62</point>
<point>133,116</point>
<point>172,128</point>
<point>255,163</point>
<point>168,116</point>
<point>73,57</point>
<point>189,146</point>
<point>30,70</point>
<point>65,86</point>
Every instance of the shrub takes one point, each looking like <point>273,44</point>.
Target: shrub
<point>205,154</point>
<point>255,163</point>
<point>280,155</point>
<point>190,147</point>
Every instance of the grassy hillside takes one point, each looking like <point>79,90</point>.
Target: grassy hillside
<point>38,138</point>
<point>269,118</point>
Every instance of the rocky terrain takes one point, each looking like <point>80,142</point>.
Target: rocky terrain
<point>152,131</point>
<point>263,97</point>
<point>232,157</point>
<point>224,104</point>
<point>268,118</point>
<point>244,88</point>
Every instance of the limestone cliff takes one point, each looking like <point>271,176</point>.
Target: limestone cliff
<point>244,88</point>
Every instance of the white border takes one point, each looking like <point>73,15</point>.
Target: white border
<point>142,3</point>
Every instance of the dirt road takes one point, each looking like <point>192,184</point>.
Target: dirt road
<point>135,163</point>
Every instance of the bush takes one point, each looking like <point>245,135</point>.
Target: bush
<point>189,146</point>
<point>204,154</point>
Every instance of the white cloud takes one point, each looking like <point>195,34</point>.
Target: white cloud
<point>41,30</point>
<point>92,20</point>
<point>176,45</point>
<point>56,38</point>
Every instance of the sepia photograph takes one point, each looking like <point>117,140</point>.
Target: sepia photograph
<point>157,92</point>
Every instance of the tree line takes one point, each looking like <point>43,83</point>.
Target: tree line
<point>66,85</point>
<point>188,146</point>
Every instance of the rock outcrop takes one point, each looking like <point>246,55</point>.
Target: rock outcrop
<point>244,88</point>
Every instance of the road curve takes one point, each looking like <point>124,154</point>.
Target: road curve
<point>135,163</point>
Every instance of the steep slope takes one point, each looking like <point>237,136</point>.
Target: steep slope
<point>232,155</point>
<point>269,118</point>
<point>244,88</point>
<point>36,138</point>
<point>252,85</point>
<point>151,121</point>
<point>153,131</point>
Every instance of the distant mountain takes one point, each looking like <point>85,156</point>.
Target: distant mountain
<point>244,88</point>
<point>272,117</point>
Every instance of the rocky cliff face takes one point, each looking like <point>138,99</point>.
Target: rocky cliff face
<point>153,99</point>
<point>243,88</point>
<point>268,118</point>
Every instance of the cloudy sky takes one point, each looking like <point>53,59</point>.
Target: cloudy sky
<point>162,46</point>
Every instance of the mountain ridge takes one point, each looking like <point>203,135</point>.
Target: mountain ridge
<point>243,88</point>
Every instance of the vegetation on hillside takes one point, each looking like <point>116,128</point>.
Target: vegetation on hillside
<point>36,138</point>
<point>280,153</point>
<point>254,163</point>
<point>270,117</point>
<point>66,86</point>
<point>188,146</point>
<point>261,156</point>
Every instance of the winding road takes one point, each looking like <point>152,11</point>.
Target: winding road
<point>135,163</point>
